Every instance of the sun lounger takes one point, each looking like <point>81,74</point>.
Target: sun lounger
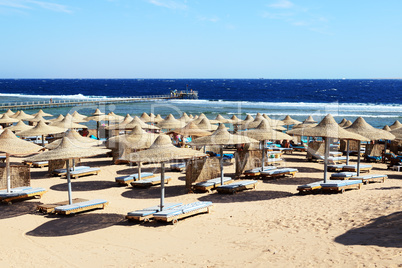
<point>371,178</point>
<point>126,180</point>
<point>178,167</point>
<point>49,208</point>
<point>309,187</point>
<point>335,154</point>
<point>63,171</point>
<point>82,172</point>
<point>257,171</point>
<point>2,158</point>
<point>206,186</point>
<point>279,172</point>
<point>40,164</point>
<point>148,213</point>
<point>273,161</point>
<point>298,148</point>
<point>343,175</point>
<point>335,168</point>
<point>150,181</point>
<point>183,211</point>
<point>238,186</point>
<point>341,186</point>
<point>353,168</point>
<point>81,206</point>
<point>21,193</point>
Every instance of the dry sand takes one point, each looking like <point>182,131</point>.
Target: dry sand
<point>271,226</point>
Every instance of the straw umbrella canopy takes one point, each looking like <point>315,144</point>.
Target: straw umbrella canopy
<point>235,120</point>
<point>77,116</point>
<point>185,118</point>
<point>222,119</point>
<point>97,116</point>
<point>158,118</point>
<point>138,122</point>
<point>8,120</point>
<point>290,121</point>
<point>9,113</point>
<point>397,133</point>
<point>67,122</point>
<point>21,115</point>
<point>205,124</point>
<point>42,113</point>
<point>395,125</point>
<point>145,117</point>
<point>171,123</point>
<point>191,129</point>
<point>221,137</point>
<point>263,133</point>
<point>38,118</point>
<point>343,122</point>
<point>273,122</point>
<point>161,151</point>
<point>386,128</point>
<point>10,144</point>
<point>121,125</point>
<point>41,129</point>
<point>348,123</point>
<point>20,126</point>
<point>59,118</point>
<point>361,127</point>
<point>246,120</point>
<point>328,128</point>
<point>65,151</point>
<point>309,119</point>
<point>75,138</point>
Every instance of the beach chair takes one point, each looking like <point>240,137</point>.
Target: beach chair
<point>298,148</point>
<point>40,164</point>
<point>82,172</point>
<point>255,172</point>
<point>209,185</point>
<point>178,167</point>
<point>310,187</point>
<point>366,179</point>
<point>279,172</point>
<point>49,208</point>
<point>335,168</point>
<point>147,214</point>
<point>273,161</point>
<point>353,168</point>
<point>343,175</point>
<point>81,206</point>
<point>238,186</point>
<point>21,193</point>
<point>2,158</point>
<point>126,180</point>
<point>63,171</point>
<point>148,182</point>
<point>183,211</point>
<point>341,186</point>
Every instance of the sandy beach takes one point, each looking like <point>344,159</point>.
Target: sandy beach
<point>271,226</point>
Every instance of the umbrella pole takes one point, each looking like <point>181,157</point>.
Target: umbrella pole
<point>221,163</point>
<point>263,155</point>
<point>326,158</point>
<point>162,204</point>
<point>358,159</point>
<point>43,140</point>
<point>70,200</point>
<point>97,129</point>
<point>347,152</point>
<point>385,151</point>
<point>73,164</point>
<point>8,172</point>
<point>139,170</point>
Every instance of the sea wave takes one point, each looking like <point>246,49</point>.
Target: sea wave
<point>75,96</point>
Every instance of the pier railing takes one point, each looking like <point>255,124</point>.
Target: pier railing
<point>94,101</point>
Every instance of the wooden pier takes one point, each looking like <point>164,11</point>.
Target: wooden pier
<point>95,101</point>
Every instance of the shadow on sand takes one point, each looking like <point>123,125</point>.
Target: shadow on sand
<point>154,192</point>
<point>85,186</point>
<point>245,196</point>
<point>383,232</point>
<point>78,224</point>
<point>17,209</point>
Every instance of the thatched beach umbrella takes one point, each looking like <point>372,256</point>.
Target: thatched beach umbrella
<point>21,115</point>
<point>348,123</point>
<point>75,138</point>
<point>263,133</point>
<point>221,137</point>
<point>68,123</point>
<point>9,113</point>
<point>20,126</point>
<point>205,124</point>
<point>138,122</point>
<point>386,128</point>
<point>191,129</point>
<point>395,125</point>
<point>66,151</point>
<point>10,144</point>
<point>310,120</point>
<point>158,118</point>
<point>328,128</point>
<point>185,118</point>
<point>42,113</point>
<point>161,151</point>
<point>5,119</point>
<point>343,122</point>
<point>97,116</point>
<point>397,133</point>
<point>38,118</point>
<point>361,127</point>
<point>41,129</point>
<point>121,125</point>
<point>145,117</point>
<point>58,118</point>
<point>287,121</point>
<point>171,123</point>
<point>77,117</point>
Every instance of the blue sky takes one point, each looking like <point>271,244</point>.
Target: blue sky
<point>200,39</point>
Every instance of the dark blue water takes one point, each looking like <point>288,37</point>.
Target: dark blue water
<point>377,91</point>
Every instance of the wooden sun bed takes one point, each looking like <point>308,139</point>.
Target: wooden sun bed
<point>49,208</point>
<point>79,172</point>
<point>341,186</point>
<point>38,164</point>
<point>238,186</point>
<point>207,186</point>
<point>150,181</point>
<point>63,171</point>
<point>273,161</point>
<point>21,193</point>
<point>343,175</point>
<point>331,160</point>
<point>310,187</point>
<point>257,171</point>
<point>178,167</point>
<point>298,148</point>
<point>147,214</point>
<point>279,172</point>
<point>353,168</point>
<point>366,179</point>
<point>183,211</point>
<point>126,180</point>
<point>335,168</point>
<point>81,206</point>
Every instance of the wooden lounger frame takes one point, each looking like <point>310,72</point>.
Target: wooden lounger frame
<point>311,189</point>
<point>362,169</point>
<point>378,179</point>
<point>283,174</point>
<point>87,208</point>
<point>9,200</point>
<point>342,188</point>
<point>127,182</point>
<point>149,184</point>
<point>198,188</point>
<point>237,189</point>
<point>49,208</point>
<point>174,219</point>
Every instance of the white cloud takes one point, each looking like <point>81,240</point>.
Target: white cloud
<point>31,4</point>
<point>168,4</point>
<point>282,4</point>
<point>210,19</point>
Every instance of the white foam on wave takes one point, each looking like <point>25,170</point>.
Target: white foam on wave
<point>76,96</point>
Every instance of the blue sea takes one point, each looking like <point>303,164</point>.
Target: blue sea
<point>379,101</point>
